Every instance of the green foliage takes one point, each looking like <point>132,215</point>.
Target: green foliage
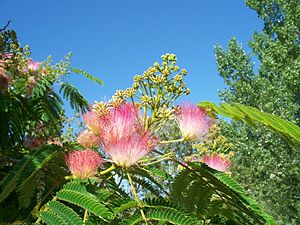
<point>158,209</point>
<point>209,194</point>
<point>76,194</point>
<point>87,75</point>
<point>67,213</point>
<point>77,101</point>
<point>287,130</point>
<point>52,219</point>
<point>31,116</point>
<point>264,164</point>
<point>25,173</point>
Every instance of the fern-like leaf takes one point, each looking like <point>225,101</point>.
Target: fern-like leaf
<point>249,201</point>
<point>86,201</point>
<point>77,101</point>
<point>65,212</point>
<point>52,219</point>
<point>87,75</point>
<point>19,178</point>
<point>250,115</point>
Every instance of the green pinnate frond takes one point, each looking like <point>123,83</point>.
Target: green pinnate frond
<point>85,201</point>
<point>77,101</point>
<point>41,87</point>
<point>9,183</point>
<point>87,75</point>
<point>76,186</point>
<point>52,219</point>
<point>226,189</point>
<point>19,178</point>
<point>162,203</point>
<point>37,161</point>
<point>133,219</point>
<point>158,172</point>
<point>125,206</point>
<point>163,214</point>
<point>287,130</point>
<point>150,178</point>
<point>147,186</point>
<point>103,194</point>
<point>172,216</point>
<point>68,214</point>
<point>251,203</point>
<point>192,193</point>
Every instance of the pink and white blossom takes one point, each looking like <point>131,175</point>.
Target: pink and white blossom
<point>88,139</point>
<point>123,137</point>
<point>217,162</point>
<point>126,151</point>
<point>93,121</point>
<point>83,164</point>
<point>121,121</point>
<point>193,122</point>
<point>33,65</point>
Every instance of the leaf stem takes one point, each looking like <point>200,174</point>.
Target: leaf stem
<point>171,141</point>
<point>140,205</point>
<point>85,217</point>
<point>108,170</point>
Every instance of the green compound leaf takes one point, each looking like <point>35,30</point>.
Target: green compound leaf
<point>86,201</point>
<point>77,101</point>
<point>65,212</point>
<point>252,204</point>
<point>162,214</point>
<point>239,203</point>
<point>87,75</point>
<point>52,219</point>
<point>287,130</point>
<point>172,216</point>
<point>25,172</point>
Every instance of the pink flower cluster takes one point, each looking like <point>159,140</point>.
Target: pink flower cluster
<point>4,78</point>
<point>217,162</point>
<point>120,134</point>
<point>83,164</point>
<point>33,65</point>
<point>193,122</point>
<point>123,136</point>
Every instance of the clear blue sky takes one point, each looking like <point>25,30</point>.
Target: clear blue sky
<point>115,40</point>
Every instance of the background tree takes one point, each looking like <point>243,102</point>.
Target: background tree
<point>265,165</point>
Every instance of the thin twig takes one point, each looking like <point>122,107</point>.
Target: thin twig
<point>7,24</point>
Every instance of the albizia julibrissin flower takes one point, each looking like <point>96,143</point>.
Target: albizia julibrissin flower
<point>93,122</point>
<point>33,65</point>
<point>88,139</point>
<point>217,162</point>
<point>193,122</point>
<point>83,164</point>
<point>123,137</point>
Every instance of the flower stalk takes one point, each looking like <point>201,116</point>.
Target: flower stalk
<point>171,141</point>
<point>139,203</point>
<point>108,170</point>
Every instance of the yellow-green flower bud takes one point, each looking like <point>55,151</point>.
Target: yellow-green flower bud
<point>146,99</point>
<point>137,78</point>
<point>129,92</point>
<point>183,72</point>
<point>178,77</point>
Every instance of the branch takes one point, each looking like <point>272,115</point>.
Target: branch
<point>7,24</point>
